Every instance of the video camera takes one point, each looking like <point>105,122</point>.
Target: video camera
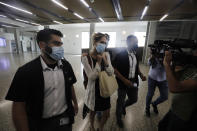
<point>178,48</point>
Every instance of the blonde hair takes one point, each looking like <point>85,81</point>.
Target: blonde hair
<point>97,36</point>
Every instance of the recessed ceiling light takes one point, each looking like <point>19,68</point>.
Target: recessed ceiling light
<point>57,22</point>
<point>85,3</point>
<point>101,19</point>
<point>124,32</point>
<point>77,36</point>
<point>23,21</point>
<point>35,24</point>
<point>162,18</point>
<point>7,26</point>
<point>16,8</point>
<point>78,15</point>
<point>144,12</point>
<point>59,4</point>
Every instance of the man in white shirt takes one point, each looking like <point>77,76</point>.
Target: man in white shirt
<point>126,67</point>
<point>42,90</point>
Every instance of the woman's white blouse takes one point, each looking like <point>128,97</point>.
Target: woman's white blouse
<point>92,74</point>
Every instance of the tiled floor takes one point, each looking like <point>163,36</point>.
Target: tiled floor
<point>134,120</point>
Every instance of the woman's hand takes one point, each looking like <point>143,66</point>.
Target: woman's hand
<point>99,58</point>
<point>104,56</point>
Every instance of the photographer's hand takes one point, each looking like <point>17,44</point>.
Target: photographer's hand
<point>167,59</point>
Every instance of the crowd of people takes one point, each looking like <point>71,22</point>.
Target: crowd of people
<point>44,97</point>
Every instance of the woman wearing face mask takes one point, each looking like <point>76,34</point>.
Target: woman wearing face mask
<point>96,61</point>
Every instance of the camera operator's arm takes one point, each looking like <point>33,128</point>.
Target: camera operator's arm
<point>151,60</point>
<point>174,85</point>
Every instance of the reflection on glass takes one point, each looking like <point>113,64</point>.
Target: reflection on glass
<point>4,63</point>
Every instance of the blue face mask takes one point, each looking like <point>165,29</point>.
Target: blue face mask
<point>57,53</point>
<point>100,48</point>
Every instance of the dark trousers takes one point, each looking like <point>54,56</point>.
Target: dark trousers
<point>163,89</point>
<point>52,127</point>
<point>171,122</point>
<point>132,93</point>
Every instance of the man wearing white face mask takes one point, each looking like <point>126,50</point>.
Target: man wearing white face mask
<point>42,90</point>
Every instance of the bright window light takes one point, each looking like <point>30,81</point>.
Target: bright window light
<point>141,36</point>
<point>85,40</point>
<point>112,41</point>
<point>16,8</point>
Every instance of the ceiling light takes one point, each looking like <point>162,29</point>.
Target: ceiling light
<point>124,32</point>
<point>77,36</point>
<point>59,4</point>
<point>3,16</point>
<point>101,19</point>
<point>78,16</point>
<point>57,22</point>
<point>16,8</point>
<point>35,24</point>
<point>85,3</point>
<point>16,24</point>
<point>22,20</point>
<point>7,26</point>
<point>144,12</point>
<point>162,18</point>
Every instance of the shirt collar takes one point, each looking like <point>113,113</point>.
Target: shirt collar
<point>131,52</point>
<point>46,68</point>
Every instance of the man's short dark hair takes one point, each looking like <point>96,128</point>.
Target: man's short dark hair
<point>45,35</point>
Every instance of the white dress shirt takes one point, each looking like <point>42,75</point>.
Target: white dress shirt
<point>54,90</point>
<point>132,64</point>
